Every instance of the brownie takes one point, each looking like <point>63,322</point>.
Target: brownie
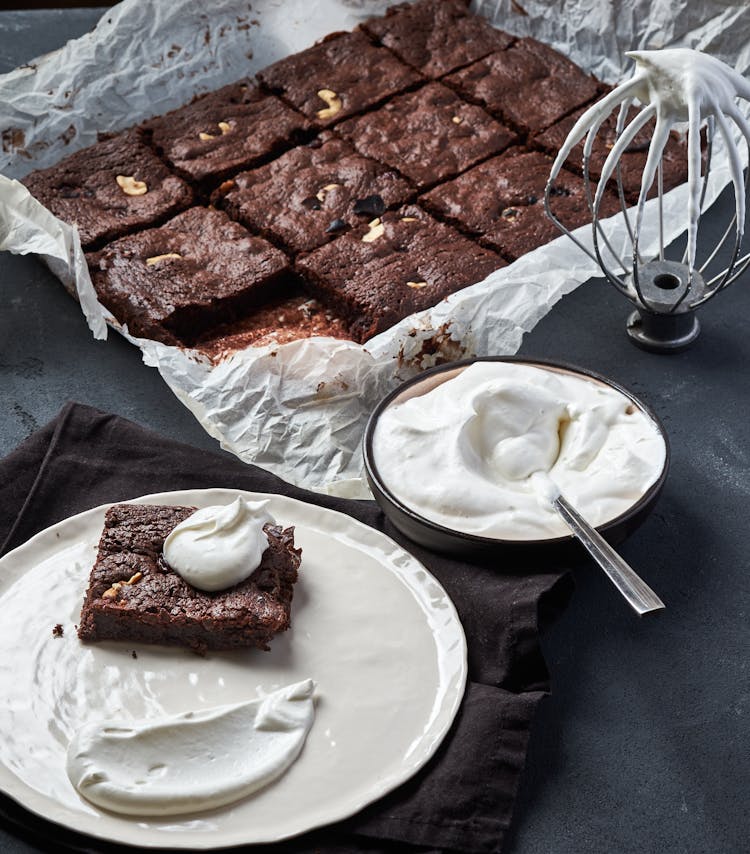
<point>110,189</point>
<point>351,73</point>
<point>428,135</point>
<point>280,322</point>
<point>632,161</point>
<point>502,202</point>
<point>197,270</point>
<point>529,85</point>
<point>134,595</point>
<point>233,128</point>
<point>400,263</point>
<point>436,36</point>
<point>310,194</point>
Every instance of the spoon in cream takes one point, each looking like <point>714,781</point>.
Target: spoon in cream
<point>638,594</point>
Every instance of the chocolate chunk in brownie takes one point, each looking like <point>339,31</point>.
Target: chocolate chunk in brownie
<point>529,85</point>
<point>501,201</point>
<point>342,75</point>
<point>134,595</point>
<point>402,262</point>
<point>280,322</point>
<point>428,135</point>
<point>436,36</point>
<point>110,189</point>
<point>219,133</point>
<point>632,161</point>
<point>197,270</point>
<point>294,200</point>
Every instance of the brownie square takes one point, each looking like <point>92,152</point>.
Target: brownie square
<point>502,202</point>
<point>280,322</point>
<point>84,189</point>
<point>310,194</point>
<point>351,73</point>
<point>529,85</point>
<point>233,128</point>
<point>134,595</point>
<point>436,36</point>
<point>402,262</point>
<point>632,161</point>
<point>197,270</point>
<point>428,135</point>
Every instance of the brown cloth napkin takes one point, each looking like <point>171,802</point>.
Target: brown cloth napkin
<point>462,800</point>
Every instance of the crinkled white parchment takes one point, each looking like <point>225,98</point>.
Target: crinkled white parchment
<point>299,409</point>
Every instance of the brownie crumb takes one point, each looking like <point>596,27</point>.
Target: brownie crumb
<point>58,630</point>
<point>134,654</point>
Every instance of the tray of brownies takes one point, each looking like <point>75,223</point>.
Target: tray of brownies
<point>288,246</point>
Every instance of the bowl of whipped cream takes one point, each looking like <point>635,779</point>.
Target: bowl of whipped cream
<point>455,456</point>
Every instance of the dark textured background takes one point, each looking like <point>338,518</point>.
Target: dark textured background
<point>644,744</point>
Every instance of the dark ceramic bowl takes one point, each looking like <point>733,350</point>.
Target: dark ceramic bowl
<point>471,546</point>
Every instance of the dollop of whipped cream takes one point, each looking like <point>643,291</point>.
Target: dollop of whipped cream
<point>192,761</point>
<point>467,454</point>
<point>219,546</point>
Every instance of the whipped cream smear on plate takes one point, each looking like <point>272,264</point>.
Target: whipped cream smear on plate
<point>464,454</point>
<point>192,761</point>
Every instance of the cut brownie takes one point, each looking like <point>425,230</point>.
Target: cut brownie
<point>342,75</point>
<point>233,128</point>
<point>428,135</point>
<point>401,263</point>
<point>134,595</point>
<point>632,161</point>
<point>197,270</point>
<point>310,194</point>
<point>502,202</point>
<point>436,36</point>
<point>529,85</point>
<point>278,323</point>
<point>110,189</point>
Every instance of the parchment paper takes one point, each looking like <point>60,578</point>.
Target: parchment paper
<point>299,409</point>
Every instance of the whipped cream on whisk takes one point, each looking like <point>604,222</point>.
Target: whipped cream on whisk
<point>676,86</point>
<point>465,454</point>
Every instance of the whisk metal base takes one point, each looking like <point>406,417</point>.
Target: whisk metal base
<point>662,333</point>
<point>664,321</point>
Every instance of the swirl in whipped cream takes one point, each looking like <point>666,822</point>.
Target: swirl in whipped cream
<point>191,761</point>
<point>219,546</point>
<point>468,453</point>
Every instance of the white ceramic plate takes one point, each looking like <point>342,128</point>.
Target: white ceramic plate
<point>373,628</point>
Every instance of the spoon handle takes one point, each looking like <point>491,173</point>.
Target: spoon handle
<point>638,594</point>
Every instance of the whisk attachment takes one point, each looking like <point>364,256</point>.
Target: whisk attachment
<point>678,86</point>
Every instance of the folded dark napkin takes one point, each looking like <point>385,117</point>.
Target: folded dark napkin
<point>463,799</point>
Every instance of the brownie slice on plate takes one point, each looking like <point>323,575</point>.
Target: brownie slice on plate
<point>342,75</point>
<point>402,262</point>
<point>310,194</point>
<point>199,269</point>
<point>529,85</point>
<point>632,161</point>
<point>233,128</point>
<point>133,594</point>
<point>428,135</point>
<point>436,36</point>
<point>501,201</point>
<point>110,189</point>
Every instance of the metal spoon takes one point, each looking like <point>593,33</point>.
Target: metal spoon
<point>639,595</point>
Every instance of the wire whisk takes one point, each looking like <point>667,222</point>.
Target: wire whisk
<point>677,86</point>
